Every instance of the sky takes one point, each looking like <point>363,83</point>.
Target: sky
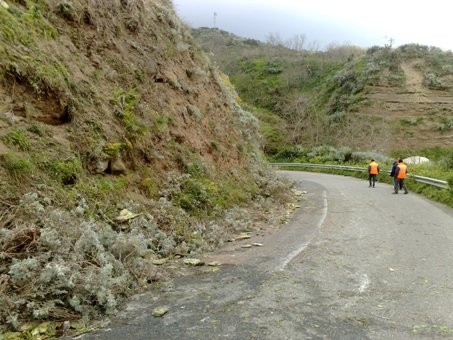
<point>362,23</point>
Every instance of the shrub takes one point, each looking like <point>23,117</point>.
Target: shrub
<point>65,171</point>
<point>361,156</point>
<point>432,81</point>
<point>39,129</point>
<point>112,149</point>
<point>413,121</point>
<point>18,138</point>
<point>16,165</point>
<point>125,103</point>
<point>290,153</point>
<point>66,10</point>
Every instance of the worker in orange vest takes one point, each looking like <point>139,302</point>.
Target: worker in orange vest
<point>400,175</point>
<point>373,170</point>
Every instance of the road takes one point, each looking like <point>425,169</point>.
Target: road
<point>353,263</point>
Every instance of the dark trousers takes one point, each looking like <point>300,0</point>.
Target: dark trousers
<point>372,180</point>
<point>400,185</point>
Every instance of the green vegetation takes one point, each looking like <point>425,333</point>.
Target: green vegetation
<point>16,165</point>
<point>18,138</point>
<point>125,103</point>
<point>321,98</point>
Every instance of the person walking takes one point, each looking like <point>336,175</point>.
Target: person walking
<point>400,175</point>
<point>393,172</point>
<point>373,170</point>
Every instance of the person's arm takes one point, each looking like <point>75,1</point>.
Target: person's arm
<point>392,172</point>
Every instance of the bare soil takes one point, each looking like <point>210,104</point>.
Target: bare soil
<point>414,112</point>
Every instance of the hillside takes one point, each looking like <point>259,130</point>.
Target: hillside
<point>382,99</point>
<point>424,116</point>
<point>120,144</point>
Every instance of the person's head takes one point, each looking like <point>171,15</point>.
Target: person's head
<point>372,160</point>
<point>400,160</point>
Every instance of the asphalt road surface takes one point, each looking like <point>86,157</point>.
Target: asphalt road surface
<point>353,263</point>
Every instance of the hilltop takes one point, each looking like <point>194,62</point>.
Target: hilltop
<point>382,99</point>
<point>121,144</point>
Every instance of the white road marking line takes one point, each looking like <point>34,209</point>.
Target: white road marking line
<point>299,250</point>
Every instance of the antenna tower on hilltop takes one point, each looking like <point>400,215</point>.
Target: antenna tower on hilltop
<point>215,17</point>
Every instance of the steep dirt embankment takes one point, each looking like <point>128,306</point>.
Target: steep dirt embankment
<point>415,113</point>
<point>120,145</point>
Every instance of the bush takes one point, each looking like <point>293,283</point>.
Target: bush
<point>65,171</point>
<point>18,138</point>
<point>17,166</point>
<point>366,156</point>
<point>432,81</point>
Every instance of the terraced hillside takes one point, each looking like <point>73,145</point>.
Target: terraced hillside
<point>418,116</point>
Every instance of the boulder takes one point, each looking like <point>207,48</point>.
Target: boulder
<point>416,160</point>
<point>117,167</point>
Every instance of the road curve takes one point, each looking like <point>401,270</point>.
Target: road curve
<point>353,263</point>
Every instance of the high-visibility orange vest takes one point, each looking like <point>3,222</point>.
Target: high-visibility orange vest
<point>373,168</point>
<point>402,171</point>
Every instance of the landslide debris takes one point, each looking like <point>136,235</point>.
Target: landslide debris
<point>120,144</point>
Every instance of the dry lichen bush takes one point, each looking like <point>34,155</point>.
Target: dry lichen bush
<point>60,264</point>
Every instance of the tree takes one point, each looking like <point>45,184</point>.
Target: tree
<point>274,39</point>
<point>314,46</point>
<point>297,42</point>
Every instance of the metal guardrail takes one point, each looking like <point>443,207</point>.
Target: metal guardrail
<point>430,181</point>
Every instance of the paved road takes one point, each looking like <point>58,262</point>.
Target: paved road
<point>354,263</point>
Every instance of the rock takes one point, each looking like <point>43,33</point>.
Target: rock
<point>102,166</point>
<point>214,264</point>
<point>246,246</point>
<point>193,262</point>
<point>257,244</point>
<point>117,167</point>
<point>125,215</point>
<point>160,311</point>
<point>416,160</point>
<point>66,326</point>
<point>4,4</point>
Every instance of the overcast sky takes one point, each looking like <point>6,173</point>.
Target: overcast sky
<point>362,23</point>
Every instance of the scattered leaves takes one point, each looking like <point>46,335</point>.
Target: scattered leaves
<point>193,262</point>
<point>159,311</point>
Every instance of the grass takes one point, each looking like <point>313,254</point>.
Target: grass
<point>18,138</point>
<point>17,165</point>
